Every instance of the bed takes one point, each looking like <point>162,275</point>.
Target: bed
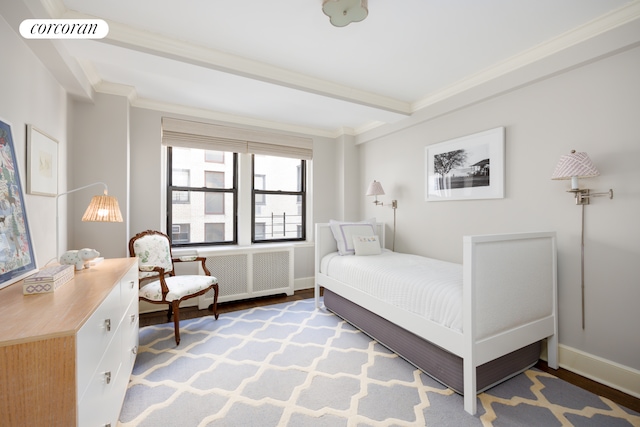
<point>507,297</point>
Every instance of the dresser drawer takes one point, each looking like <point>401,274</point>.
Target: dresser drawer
<point>129,286</point>
<point>95,336</point>
<point>130,335</point>
<point>98,404</point>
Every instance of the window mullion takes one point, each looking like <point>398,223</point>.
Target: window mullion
<point>244,199</point>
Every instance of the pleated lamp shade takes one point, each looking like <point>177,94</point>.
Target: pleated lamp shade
<point>375,189</point>
<point>103,209</point>
<point>574,166</point>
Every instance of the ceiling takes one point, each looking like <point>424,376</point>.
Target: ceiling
<point>280,63</point>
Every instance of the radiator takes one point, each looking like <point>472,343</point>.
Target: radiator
<point>249,272</point>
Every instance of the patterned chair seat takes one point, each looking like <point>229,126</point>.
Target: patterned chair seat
<point>179,287</point>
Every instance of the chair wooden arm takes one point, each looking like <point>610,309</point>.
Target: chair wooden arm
<point>201,260</point>
<point>161,273</point>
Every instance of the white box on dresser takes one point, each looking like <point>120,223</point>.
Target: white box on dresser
<point>66,357</point>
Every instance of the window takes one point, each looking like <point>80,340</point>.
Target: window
<point>259,184</point>
<point>278,208</point>
<point>180,233</point>
<point>180,179</point>
<point>214,156</point>
<point>214,231</point>
<point>235,185</point>
<point>202,195</point>
<point>214,202</point>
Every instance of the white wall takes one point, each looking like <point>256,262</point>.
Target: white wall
<point>100,153</point>
<point>594,108</point>
<point>30,95</point>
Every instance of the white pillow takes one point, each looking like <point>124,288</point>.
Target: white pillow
<point>366,245</point>
<point>343,232</point>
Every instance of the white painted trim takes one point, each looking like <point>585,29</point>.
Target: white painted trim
<point>118,89</point>
<point>303,283</point>
<point>55,8</point>
<point>166,47</point>
<point>608,33</point>
<point>166,107</point>
<point>604,371</point>
<point>603,24</point>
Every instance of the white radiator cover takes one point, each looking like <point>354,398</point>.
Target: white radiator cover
<point>249,272</point>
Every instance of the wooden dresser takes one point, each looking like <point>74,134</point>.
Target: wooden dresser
<point>66,357</point>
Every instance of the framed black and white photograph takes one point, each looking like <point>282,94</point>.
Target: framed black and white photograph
<point>466,168</point>
<point>42,163</point>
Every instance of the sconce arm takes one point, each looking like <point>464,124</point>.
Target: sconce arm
<point>393,205</point>
<point>583,195</point>
<point>603,193</point>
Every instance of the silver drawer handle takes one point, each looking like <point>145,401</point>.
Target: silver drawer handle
<point>133,318</point>
<point>134,350</point>
<point>132,284</point>
<point>107,377</point>
<point>107,325</point>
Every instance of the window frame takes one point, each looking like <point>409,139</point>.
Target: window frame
<point>171,188</point>
<point>301,198</point>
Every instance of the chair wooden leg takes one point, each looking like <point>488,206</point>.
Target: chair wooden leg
<point>176,319</point>
<point>214,307</point>
<point>169,313</point>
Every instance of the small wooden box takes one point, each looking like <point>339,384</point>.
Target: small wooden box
<point>47,280</point>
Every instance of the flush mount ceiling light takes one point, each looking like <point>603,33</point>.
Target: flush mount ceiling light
<point>344,12</point>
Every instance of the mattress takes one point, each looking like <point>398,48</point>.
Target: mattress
<point>426,287</point>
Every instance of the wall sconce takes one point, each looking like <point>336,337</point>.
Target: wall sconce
<point>375,189</point>
<point>574,166</point>
<point>103,208</point>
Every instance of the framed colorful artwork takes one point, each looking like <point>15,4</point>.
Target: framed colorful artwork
<point>465,168</point>
<point>42,163</point>
<point>17,258</point>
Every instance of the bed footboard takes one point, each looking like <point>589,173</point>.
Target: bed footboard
<point>509,299</point>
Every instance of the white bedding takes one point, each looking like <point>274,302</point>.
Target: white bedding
<point>428,287</point>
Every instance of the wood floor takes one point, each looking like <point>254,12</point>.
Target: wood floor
<point>580,381</point>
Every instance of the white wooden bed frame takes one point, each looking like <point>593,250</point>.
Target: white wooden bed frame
<point>520,267</point>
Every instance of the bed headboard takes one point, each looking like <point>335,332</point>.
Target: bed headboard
<point>325,242</point>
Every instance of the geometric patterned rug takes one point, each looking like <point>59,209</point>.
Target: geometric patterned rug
<point>292,365</point>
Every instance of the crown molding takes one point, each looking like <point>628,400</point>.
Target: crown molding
<point>166,107</point>
<point>158,45</point>
<point>53,8</point>
<point>608,22</point>
<point>117,89</point>
<point>510,73</point>
<point>90,72</point>
<point>612,33</point>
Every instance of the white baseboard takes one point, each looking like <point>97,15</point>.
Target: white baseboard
<point>303,283</point>
<point>606,372</point>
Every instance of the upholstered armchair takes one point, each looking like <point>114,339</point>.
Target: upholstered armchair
<point>160,284</point>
